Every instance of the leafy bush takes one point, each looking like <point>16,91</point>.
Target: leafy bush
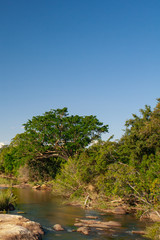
<point>69,180</point>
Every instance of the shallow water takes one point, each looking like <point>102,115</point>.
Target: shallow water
<point>43,207</point>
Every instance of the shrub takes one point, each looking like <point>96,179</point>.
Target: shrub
<point>7,199</point>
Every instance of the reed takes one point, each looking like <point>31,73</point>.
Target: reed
<point>7,199</point>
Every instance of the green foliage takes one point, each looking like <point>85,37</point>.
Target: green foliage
<point>55,145</point>
<point>69,182</point>
<point>11,160</point>
<point>153,231</point>
<point>4,181</point>
<point>116,180</point>
<point>6,198</point>
<point>8,181</point>
<point>126,182</point>
<point>94,161</point>
<point>128,169</point>
<point>83,168</point>
<point>49,140</point>
<point>59,135</point>
<point>44,170</point>
<point>142,136</point>
<point>3,151</point>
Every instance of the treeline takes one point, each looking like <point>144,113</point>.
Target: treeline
<point>129,168</point>
<point>55,146</point>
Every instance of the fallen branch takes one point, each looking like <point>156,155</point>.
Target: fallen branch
<point>85,203</point>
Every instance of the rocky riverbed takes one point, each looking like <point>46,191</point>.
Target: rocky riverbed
<point>65,221</point>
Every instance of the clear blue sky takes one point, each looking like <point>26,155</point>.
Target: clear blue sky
<point>97,57</point>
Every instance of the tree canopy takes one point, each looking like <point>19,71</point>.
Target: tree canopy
<point>56,134</point>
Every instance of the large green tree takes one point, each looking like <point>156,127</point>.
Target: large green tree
<point>56,134</point>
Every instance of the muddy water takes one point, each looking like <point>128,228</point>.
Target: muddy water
<point>43,207</point>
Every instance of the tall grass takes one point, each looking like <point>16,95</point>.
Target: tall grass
<point>8,181</point>
<point>153,231</point>
<point>5,181</point>
<point>7,199</point>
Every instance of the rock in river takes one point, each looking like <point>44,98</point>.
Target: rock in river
<point>58,227</point>
<point>84,230</point>
<point>16,227</point>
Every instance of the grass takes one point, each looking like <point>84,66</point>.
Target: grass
<point>7,181</point>
<point>153,231</point>
<point>4,181</point>
<point>7,199</point>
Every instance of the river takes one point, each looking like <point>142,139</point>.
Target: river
<point>47,209</point>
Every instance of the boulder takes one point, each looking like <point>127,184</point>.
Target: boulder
<point>44,186</point>
<point>16,227</point>
<point>109,223</point>
<point>117,210</point>
<point>37,187</point>
<point>97,224</point>
<point>84,230</point>
<point>154,217</point>
<point>92,217</point>
<point>79,224</point>
<point>58,227</point>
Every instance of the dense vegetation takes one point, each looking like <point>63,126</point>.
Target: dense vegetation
<point>55,146</point>
<point>48,141</point>
<point>61,148</point>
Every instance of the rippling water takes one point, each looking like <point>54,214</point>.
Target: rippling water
<point>43,207</point>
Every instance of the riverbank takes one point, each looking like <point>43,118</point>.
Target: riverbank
<point>48,209</point>
<point>118,207</point>
<point>114,207</point>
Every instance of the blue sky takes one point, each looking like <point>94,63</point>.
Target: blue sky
<point>97,57</point>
